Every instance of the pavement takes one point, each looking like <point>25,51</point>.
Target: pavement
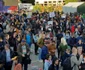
<point>36,63</point>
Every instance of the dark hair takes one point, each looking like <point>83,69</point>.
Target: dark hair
<point>47,56</point>
<point>75,46</point>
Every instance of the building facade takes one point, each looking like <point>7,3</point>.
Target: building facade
<point>49,2</point>
<point>10,2</point>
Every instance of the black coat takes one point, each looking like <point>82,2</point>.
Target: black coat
<point>52,67</point>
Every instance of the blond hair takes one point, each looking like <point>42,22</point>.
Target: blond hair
<point>63,41</point>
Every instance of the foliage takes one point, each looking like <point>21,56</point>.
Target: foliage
<point>67,1</point>
<point>37,8</point>
<point>50,8</point>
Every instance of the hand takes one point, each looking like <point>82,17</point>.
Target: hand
<point>28,53</point>
<point>23,55</point>
<point>81,56</point>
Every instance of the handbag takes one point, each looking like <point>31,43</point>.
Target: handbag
<point>27,59</point>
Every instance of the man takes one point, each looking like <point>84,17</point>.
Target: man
<point>45,49</point>
<point>75,62</point>
<point>23,51</point>
<point>8,55</point>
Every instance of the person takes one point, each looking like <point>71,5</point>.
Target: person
<point>2,60</point>
<point>8,55</point>
<point>13,41</point>
<point>45,49</point>
<point>28,38</point>
<point>48,62</point>
<point>35,37</point>
<point>75,62</point>
<point>65,56</point>
<point>16,65</point>
<point>23,50</point>
<point>54,65</point>
<point>40,43</point>
<point>72,41</point>
<point>63,46</point>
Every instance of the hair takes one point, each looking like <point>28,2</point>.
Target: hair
<point>47,56</point>
<point>63,41</point>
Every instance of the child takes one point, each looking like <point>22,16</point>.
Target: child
<point>16,65</point>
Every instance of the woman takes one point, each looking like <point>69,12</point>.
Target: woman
<point>40,43</point>
<point>54,65</point>
<point>63,46</point>
<point>48,62</point>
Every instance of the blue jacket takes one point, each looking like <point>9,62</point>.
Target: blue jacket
<point>47,64</point>
<point>44,52</point>
<point>28,39</point>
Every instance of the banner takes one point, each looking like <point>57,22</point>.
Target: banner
<point>51,14</point>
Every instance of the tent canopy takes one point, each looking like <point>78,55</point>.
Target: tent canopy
<point>74,4</point>
<point>71,7</point>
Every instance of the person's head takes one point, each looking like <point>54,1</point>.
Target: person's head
<point>74,50</point>
<point>63,41</point>
<point>7,36</point>
<point>68,51</point>
<point>6,47</point>
<point>14,34</point>
<point>80,41</point>
<point>79,50</point>
<point>47,42</point>
<point>48,57</point>
<point>55,61</point>
<point>23,42</point>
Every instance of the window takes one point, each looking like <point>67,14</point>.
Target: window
<point>37,2</point>
<point>45,2</point>
<point>50,1</point>
<point>54,1</point>
<point>54,4</point>
<point>59,1</point>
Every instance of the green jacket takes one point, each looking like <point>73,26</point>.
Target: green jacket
<point>62,48</point>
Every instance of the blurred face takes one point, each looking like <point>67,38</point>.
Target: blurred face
<point>7,37</point>
<point>23,43</point>
<point>74,50</point>
<point>50,58</point>
<point>6,47</point>
<point>80,41</point>
<point>56,62</point>
<point>80,50</point>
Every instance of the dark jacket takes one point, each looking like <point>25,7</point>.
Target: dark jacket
<point>52,67</point>
<point>72,42</point>
<point>19,51</point>
<point>2,59</point>
<point>44,52</point>
<point>11,54</point>
<point>65,56</point>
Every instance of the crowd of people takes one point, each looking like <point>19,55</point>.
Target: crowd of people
<point>59,44</point>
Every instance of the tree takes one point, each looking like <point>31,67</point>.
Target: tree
<point>67,1</point>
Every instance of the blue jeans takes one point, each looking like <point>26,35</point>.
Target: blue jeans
<point>39,56</point>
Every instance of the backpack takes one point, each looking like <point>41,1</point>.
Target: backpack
<point>67,64</point>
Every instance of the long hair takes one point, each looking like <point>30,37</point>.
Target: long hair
<point>63,41</point>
